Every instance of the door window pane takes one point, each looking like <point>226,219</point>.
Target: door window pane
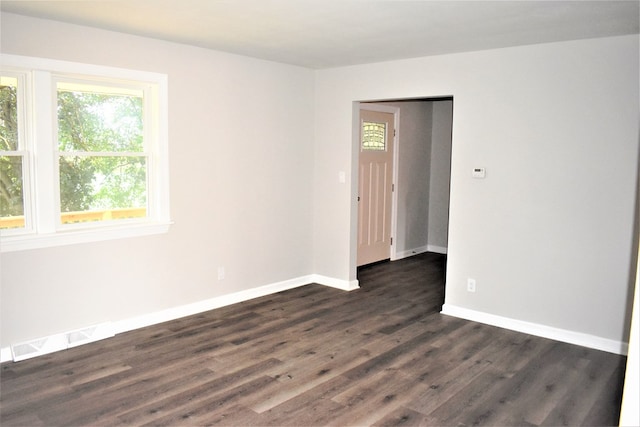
<point>374,136</point>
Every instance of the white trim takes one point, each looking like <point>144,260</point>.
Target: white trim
<point>419,250</point>
<point>37,241</point>
<point>437,249</point>
<point>62,340</point>
<point>208,304</point>
<point>410,252</point>
<point>5,354</point>
<point>331,282</point>
<point>173,313</point>
<point>58,66</point>
<point>536,329</point>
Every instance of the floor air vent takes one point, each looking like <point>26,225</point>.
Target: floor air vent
<point>90,334</point>
<point>38,347</point>
<point>25,349</point>
<point>41,346</point>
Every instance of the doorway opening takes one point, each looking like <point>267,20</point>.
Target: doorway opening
<point>419,175</point>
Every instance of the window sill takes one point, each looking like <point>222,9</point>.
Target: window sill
<point>62,238</point>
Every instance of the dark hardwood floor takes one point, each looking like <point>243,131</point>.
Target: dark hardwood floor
<point>380,355</point>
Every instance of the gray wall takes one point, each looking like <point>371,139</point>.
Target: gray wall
<point>440,175</point>
<point>548,234</point>
<point>241,177</point>
<point>414,158</point>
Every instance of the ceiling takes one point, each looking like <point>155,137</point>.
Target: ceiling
<point>331,33</point>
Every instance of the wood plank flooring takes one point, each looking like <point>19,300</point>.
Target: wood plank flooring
<point>311,356</point>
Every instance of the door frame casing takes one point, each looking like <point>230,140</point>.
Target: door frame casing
<point>355,184</point>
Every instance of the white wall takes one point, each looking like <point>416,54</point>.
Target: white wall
<point>548,234</point>
<point>241,153</point>
<point>440,175</point>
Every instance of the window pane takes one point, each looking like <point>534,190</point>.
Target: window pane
<point>374,136</point>
<point>91,119</point>
<point>11,192</point>
<point>8,113</point>
<point>11,178</point>
<point>102,188</point>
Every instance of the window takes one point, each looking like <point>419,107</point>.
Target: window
<point>12,153</point>
<point>374,136</point>
<point>83,153</point>
<point>102,166</point>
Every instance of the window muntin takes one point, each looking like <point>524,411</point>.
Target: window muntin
<point>46,225</point>
<point>102,158</point>
<point>374,136</point>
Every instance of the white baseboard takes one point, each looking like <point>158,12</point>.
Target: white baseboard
<point>410,252</point>
<point>186,310</point>
<point>344,285</point>
<point>420,250</point>
<point>5,354</point>
<point>557,334</point>
<point>208,304</point>
<point>437,249</point>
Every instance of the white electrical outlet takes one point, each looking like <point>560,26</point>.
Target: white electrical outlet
<point>220,273</point>
<point>471,285</point>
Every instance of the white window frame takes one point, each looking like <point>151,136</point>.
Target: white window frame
<point>24,149</point>
<point>41,189</point>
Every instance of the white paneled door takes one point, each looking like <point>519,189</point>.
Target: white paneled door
<point>375,186</point>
